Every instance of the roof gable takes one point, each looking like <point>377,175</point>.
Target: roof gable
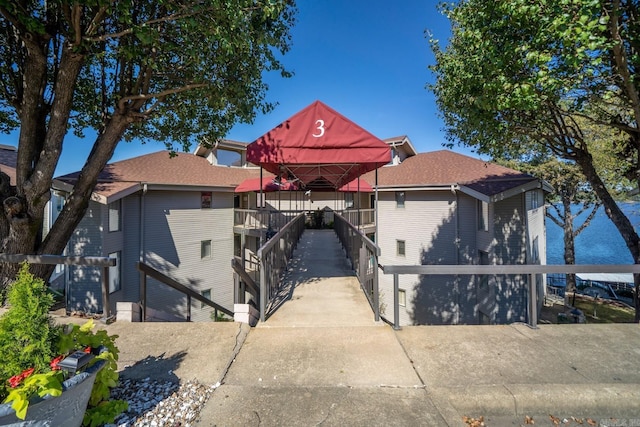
<point>318,145</point>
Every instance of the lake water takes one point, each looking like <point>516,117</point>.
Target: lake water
<point>599,243</point>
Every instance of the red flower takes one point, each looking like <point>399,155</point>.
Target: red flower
<point>87,350</point>
<point>15,380</point>
<point>54,363</point>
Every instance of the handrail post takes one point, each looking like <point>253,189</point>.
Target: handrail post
<point>376,293</point>
<point>396,302</point>
<point>263,289</point>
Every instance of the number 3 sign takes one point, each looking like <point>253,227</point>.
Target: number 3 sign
<point>319,131</point>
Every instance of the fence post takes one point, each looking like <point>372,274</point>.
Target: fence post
<point>188,308</point>
<point>533,302</point>
<point>106,309</point>
<point>396,302</point>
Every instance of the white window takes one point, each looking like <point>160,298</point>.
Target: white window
<point>483,215</point>
<point>348,200</point>
<point>114,216</point>
<point>400,246</point>
<point>400,196</point>
<point>261,200</point>
<point>535,200</point>
<point>535,251</point>
<point>205,199</point>
<point>402,298</point>
<point>207,294</point>
<point>205,249</point>
<point>114,273</point>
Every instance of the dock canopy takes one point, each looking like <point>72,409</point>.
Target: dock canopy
<point>320,148</point>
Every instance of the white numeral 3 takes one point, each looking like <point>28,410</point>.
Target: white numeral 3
<point>320,129</point>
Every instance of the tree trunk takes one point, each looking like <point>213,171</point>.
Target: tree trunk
<point>619,219</point>
<point>78,201</point>
<point>42,131</point>
<point>569,243</point>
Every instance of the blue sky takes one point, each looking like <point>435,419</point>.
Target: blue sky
<point>367,59</point>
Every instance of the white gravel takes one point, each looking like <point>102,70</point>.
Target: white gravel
<point>157,404</point>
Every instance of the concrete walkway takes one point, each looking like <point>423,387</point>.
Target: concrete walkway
<point>311,363</point>
<point>321,288</point>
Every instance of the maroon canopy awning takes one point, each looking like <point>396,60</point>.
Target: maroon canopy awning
<point>319,147</point>
<point>352,187</point>
<point>269,184</point>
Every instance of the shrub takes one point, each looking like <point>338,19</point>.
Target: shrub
<point>31,345</point>
<point>28,336</point>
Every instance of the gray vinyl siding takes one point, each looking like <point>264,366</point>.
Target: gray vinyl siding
<point>468,248</point>
<point>131,231</point>
<point>484,239</point>
<point>85,292</point>
<point>428,225</point>
<point>510,248</point>
<point>537,241</point>
<point>297,200</point>
<point>175,225</point>
<point>440,227</point>
<point>113,241</point>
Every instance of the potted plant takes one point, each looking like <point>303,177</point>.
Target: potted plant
<point>51,372</point>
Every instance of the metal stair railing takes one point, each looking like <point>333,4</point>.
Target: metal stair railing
<point>363,254</point>
<point>146,270</point>
<point>274,256</point>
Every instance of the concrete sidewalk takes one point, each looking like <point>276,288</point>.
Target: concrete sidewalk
<point>372,375</point>
<point>320,359</point>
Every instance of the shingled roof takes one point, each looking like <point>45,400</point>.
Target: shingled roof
<point>446,168</point>
<point>161,169</point>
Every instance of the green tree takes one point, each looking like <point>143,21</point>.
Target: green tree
<point>176,71</point>
<point>570,189</point>
<point>517,74</point>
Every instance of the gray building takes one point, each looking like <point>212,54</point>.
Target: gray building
<point>183,217</point>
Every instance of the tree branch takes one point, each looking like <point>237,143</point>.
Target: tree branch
<point>622,63</point>
<point>587,221</point>
<point>163,94</point>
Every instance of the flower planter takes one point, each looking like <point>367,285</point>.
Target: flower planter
<point>66,410</point>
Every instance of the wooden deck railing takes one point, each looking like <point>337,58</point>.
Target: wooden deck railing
<point>104,262</point>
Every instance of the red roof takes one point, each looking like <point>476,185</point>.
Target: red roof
<point>353,187</point>
<point>269,184</point>
<point>320,147</point>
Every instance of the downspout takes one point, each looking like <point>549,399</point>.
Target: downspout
<point>141,228</point>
